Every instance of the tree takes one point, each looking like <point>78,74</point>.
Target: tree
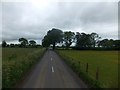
<point>32,42</point>
<point>4,44</point>
<point>84,40</point>
<point>23,42</point>
<point>68,38</point>
<point>53,37</point>
<point>78,40</point>
<point>46,41</point>
<point>104,43</point>
<point>116,44</point>
<point>12,45</point>
<point>110,44</point>
<point>94,39</point>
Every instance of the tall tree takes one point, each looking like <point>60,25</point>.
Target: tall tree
<point>110,44</point>
<point>116,44</point>
<point>4,44</point>
<point>83,40</point>
<point>86,40</point>
<point>68,38</point>
<point>23,42</point>
<point>95,39</point>
<point>53,37</point>
<point>12,45</point>
<point>104,43</point>
<point>46,41</point>
<point>32,42</point>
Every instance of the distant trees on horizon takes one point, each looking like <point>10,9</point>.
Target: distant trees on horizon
<point>82,41</point>
<point>23,43</point>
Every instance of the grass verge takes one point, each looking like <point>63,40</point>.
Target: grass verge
<point>16,62</point>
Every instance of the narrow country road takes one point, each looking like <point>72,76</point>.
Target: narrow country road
<point>52,72</point>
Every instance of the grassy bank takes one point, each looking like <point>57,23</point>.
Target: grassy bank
<point>16,62</point>
<point>107,61</point>
<point>0,68</point>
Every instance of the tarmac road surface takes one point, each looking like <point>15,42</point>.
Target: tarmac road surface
<point>52,72</point>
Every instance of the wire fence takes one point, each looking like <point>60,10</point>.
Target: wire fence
<point>92,71</point>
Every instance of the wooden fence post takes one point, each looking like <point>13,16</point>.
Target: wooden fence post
<point>97,74</point>
<point>87,68</point>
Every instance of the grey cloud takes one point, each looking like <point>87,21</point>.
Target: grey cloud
<point>101,13</point>
<point>76,15</point>
<point>23,20</point>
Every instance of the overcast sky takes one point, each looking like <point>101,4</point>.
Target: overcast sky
<point>32,19</point>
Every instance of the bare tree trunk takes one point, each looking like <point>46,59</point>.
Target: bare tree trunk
<point>53,45</point>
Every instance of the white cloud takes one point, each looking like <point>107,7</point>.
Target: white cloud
<point>33,20</point>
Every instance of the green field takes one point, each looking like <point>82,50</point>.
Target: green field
<point>16,62</point>
<point>107,61</point>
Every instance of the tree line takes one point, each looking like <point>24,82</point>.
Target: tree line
<point>81,40</point>
<point>23,43</point>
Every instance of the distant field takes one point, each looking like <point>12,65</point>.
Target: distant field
<point>16,61</point>
<point>107,61</point>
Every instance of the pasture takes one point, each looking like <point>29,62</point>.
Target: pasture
<point>107,61</point>
<point>16,62</point>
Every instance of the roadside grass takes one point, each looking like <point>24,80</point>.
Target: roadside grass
<point>0,68</point>
<point>107,61</point>
<point>16,62</point>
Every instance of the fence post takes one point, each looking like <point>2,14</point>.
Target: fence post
<point>87,68</point>
<point>97,74</point>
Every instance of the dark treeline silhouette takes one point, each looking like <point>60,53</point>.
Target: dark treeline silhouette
<point>55,36</point>
<point>86,41</point>
<point>82,41</point>
<point>109,44</point>
<point>23,43</point>
<point>92,41</point>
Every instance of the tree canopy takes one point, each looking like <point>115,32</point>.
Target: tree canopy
<point>4,44</point>
<point>84,40</point>
<point>53,37</point>
<point>23,42</point>
<point>32,42</point>
<point>81,41</point>
<point>68,38</point>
